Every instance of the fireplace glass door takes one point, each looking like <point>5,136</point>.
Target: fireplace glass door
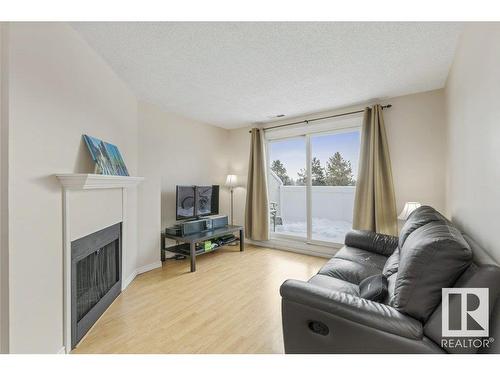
<point>95,278</point>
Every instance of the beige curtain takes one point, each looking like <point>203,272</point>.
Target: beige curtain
<point>257,207</point>
<point>374,204</point>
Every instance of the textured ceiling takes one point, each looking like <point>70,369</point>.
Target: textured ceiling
<point>233,74</point>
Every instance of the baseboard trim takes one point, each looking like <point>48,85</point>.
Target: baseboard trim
<point>297,247</point>
<point>129,279</point>
<point>138,271</point>
<point>149,267</point>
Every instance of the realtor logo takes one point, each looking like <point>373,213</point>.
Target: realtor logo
<point>465,312</point>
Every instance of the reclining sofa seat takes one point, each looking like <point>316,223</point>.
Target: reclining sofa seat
<point>327,314</point>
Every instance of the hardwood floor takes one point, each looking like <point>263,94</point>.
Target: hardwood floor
<point>231,304</point>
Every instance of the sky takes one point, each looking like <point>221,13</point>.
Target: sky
<point>292,152</point>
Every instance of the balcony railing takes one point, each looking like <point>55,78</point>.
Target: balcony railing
<point>331,211</point>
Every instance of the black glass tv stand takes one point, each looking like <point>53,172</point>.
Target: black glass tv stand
<point>193,239</point>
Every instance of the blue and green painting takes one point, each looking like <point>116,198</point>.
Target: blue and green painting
<point>106,156</point>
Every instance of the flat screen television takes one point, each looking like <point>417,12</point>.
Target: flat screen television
<point>196,201</point>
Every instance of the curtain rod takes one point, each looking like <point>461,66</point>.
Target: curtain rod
<point>320,118</point>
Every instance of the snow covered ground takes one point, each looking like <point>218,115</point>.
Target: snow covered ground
<point>322,229</point>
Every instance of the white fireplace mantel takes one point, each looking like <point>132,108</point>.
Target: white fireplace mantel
<point>84,181</point>
<point>74,182</point>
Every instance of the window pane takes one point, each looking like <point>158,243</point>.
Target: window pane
<point>334,159</point>
<point>287,191</point>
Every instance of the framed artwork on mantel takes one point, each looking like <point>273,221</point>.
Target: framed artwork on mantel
<point>106,156</point>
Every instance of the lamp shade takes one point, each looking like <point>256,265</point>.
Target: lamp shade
<point>408,209</point>
<point>231,180</point>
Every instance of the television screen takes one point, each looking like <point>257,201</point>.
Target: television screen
<point>196,201</point>
<point>185,202</point>
<point>214,200</point>
<point>204,200</point>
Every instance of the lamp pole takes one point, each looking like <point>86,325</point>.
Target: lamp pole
<point>232,221</point>
<point>231,183</point>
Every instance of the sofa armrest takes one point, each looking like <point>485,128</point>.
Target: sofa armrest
<point>352,308</point>
<point>379,243</point>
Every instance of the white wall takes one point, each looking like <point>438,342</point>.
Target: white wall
<point>176,151</point>
<point>416,134</point>
<point>59,89</point>
<point>415,128</point>
<point>4,209</point>
<point>473,118</point>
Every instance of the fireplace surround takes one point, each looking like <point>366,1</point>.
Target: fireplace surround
<point>90,203</point>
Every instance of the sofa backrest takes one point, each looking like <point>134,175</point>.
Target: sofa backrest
<point>418,218</point>
<point>433,254</point>
<point>483,273</point>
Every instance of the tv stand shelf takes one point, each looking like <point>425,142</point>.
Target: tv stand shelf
<point>188,243</point>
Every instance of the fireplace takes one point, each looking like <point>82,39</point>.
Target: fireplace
<point>91,202</point>
<point>95,278</point>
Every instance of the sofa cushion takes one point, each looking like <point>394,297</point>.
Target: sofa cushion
<point>379,243</point>
<point>374,288</point>
<point>392,264</point>
<point>332,283</point>
<point>348,270</point>
<point>432,257</point>
<point>418,218</point>
<point>391,284</point>
<point>361,256</point>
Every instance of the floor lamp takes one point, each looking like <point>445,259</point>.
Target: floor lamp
<point>231,182</point>
<point>408,209</point>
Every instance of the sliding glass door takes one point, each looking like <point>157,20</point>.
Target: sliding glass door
<point>334,167</point>
<point>312,182</point>
<point>287,191</point>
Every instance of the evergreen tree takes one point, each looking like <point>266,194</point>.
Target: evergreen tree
<point>301,177</point>
<point>339,171</point>
<point>317,171</point>
<point>280,170</point>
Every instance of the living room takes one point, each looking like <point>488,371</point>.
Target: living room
<point>249,187</point>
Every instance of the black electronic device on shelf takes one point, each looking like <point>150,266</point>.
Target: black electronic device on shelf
<point>189,227</point>
<point>174,230</point>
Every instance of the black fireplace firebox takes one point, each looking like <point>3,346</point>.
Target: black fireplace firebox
<point>96,278</point>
